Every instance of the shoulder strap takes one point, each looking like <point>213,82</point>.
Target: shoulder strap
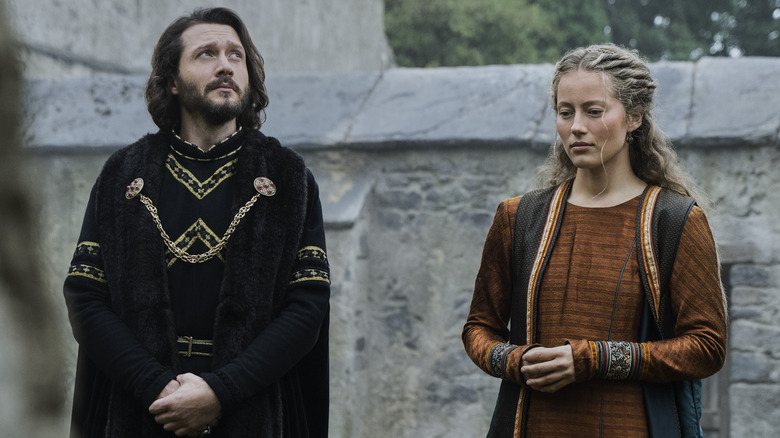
<point>671,408</point>
<point>537,220</point>
<point>660,221</point>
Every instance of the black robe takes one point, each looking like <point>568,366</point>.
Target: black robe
<point>269,325</point>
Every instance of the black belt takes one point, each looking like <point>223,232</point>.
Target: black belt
<point>189,347</point>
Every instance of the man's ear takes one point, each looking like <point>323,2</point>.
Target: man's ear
<point>173,86</point>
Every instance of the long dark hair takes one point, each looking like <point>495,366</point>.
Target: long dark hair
<point>164,105</point>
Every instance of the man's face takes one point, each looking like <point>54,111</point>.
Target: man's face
<point>213,79</point>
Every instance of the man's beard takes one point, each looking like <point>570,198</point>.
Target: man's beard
<point>215,114</point>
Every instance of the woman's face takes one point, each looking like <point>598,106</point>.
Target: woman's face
<point>591,123</point>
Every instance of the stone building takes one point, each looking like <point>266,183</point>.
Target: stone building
<point>411,165</point>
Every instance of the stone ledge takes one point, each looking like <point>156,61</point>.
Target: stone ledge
<point>711,103</point>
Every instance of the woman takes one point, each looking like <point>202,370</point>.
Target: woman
<point>609,273</point>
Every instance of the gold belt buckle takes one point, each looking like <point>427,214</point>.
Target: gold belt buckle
<point>190,341</point>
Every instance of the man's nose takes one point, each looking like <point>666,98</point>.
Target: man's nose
<point>224,66</point>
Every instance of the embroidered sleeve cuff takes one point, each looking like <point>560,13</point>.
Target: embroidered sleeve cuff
<point>618,360</point>
<point>498,357</point>
<point>504,360</point>
<point>311,264</point>
<point>87,262</point>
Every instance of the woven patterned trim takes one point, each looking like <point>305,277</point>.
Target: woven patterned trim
<point>310,274</point>
<point>312,252</point>
<point>205,160</point>
<point>212,146</point>
<point>549,228</point>
<point>498,357</point>
<point>648,253</point>
<point>618,360</point>
<point>89,271</point>
<point>521,401</point>
<point>87,248</point>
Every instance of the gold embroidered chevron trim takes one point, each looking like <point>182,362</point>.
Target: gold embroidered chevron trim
<point>195,186</point>
<point>231,153</point>
<point>198,231</point>
<point>240,128</point>
<point>197,258</point>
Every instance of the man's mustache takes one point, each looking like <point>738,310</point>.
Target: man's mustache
<point>221,83</point>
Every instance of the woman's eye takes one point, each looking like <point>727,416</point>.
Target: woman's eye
<point>596,112</point>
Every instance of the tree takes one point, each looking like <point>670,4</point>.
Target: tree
<point>687,30</point>
<point>436,33</point>
<point>756,30</point>
<point>581,22</point>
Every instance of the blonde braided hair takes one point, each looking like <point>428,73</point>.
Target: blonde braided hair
<point>627,77</point>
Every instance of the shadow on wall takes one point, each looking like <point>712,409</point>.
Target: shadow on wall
<point>31,390</point>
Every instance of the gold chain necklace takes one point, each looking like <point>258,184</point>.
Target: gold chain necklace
<point>264,187</point>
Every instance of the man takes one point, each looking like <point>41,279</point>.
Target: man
<point>199,289</point>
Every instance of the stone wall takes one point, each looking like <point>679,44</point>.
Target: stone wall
<point>411,165</point>
<point>76,38</point>
<point>31,384</point>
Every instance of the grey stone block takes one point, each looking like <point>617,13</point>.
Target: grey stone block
<point>733,102</point>
<point>315,110</point>
<point>750,275</point>
<point>673,96</point>
<point>342,197</point>
<point>749,367</point>
<point>399,199</point>
<point>499,104</point>
<point>103,111</point>
<point>748,336</point>
<point>755,410</point>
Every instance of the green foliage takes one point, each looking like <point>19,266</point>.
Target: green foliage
<point>674,29</point>
<point>756,29</point>
<point>432,33</point>
<point>580,22</point>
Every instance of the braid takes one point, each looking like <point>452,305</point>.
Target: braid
<point>628,79</point>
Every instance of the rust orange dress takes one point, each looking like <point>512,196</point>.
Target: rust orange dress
<point>578,304</point>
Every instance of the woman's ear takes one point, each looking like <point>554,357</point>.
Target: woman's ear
<point>634,121</point>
